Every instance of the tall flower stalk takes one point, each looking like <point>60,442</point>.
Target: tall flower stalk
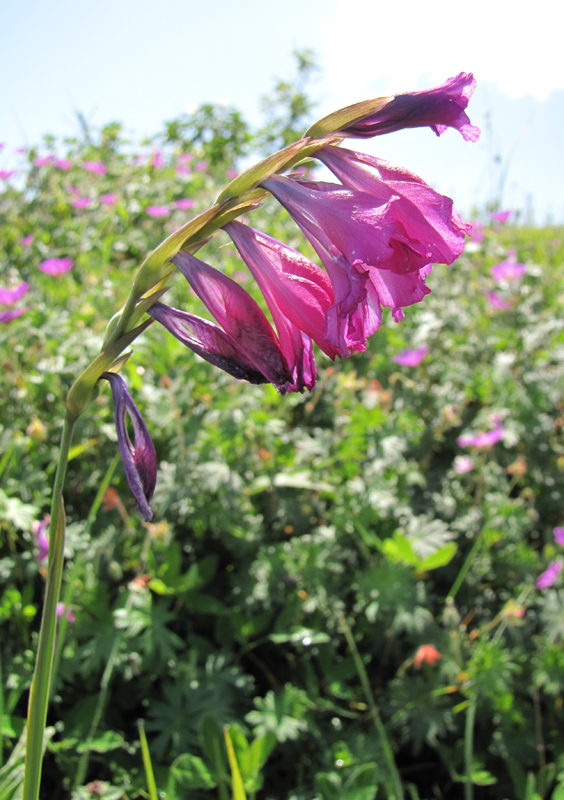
<point>376,232</point>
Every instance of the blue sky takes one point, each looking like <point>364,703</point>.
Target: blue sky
<point>144,62</point>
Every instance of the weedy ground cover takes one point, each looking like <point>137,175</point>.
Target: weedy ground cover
<point>349,580</point>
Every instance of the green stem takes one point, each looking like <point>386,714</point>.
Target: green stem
<point>469,749</point>
<point>467,564</point>
<point>40,686</point>
<point>378,724</point>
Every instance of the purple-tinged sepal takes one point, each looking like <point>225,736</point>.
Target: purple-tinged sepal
<point>139,458</point>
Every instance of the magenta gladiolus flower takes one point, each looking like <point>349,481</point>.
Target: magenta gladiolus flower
<point>484,439</point>
<point>56,266</point>
<point>439,108</point>
<point>497,302</point>
<point>297,292</point>
<point>63,163</point>
<point>157,211</point>
<point>376,243</point>
<point>139,458</point>
<point>411,358</point>
<point>185,204</point>
<point>463,464</point>
<point>507,271</point>
<point>95,167</point>
<point>10,296</point>
<point>243,343</point>
<point>6,174</point>
<point>27,240</point>
<point>108,199</point>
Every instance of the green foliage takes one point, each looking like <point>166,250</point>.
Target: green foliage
<point>275,518</point>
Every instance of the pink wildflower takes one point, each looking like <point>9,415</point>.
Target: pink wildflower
<point>61,608</point>
<point>508,270</point>
<point>485,438</point>
<point>95,167</point>
<point>81,202</point>
<point>8,316</point>
<point>6,174</point>
<point>549,576</point>
<point>411,358</point>
<point>43,161</point>
<point>463,464</point>
<point>232,174</point>
<point>10,296</point>
<point>184,205</point>
<point>41,538</point>
<point>157,211</point>
<point>497,302</point>
<point>108,199</point>
<point>56,266</point>
<point>27,240</point>
<point>201,166</point>
<point>501,216</point>
<point>559,536</point>
<point>63,163</point>
<point>478,232</point>
<point>157,159</point>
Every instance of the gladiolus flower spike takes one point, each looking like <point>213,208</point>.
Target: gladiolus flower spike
<point>139,458</point>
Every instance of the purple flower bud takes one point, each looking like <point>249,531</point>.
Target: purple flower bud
<point>439,108</point>
<point>139,458</point>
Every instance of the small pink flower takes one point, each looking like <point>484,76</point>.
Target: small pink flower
<point>61,608</point>
<point>38,530</point>
<point>63,163</point>
<point>507,271</point>
<point>184,205</point>
<point>27,240</point>
<point>6,174</point>
<point>549,576</point>
<point>81,202</point>
<point>232,174</point>
<point>497,302</point>
<point>559,536</point>
<point>426,654</point>
<point>95,167</point>
<point>501,216</point>
<point>185,158</point>
<point>56,266</point>
<point>108,199</point>
<point>463,464</point>
<point>158,211</point>
<point>43,161</point>
<point>183,169</point>
<point>201,166</point>
<point>8,316</point>
<point>72,190</point>
<point>411,358</point>
<point>485,438</point>
<point>478,232</point>
<point>2,145</point>
<point>157,159</point>
<point>10,296</point>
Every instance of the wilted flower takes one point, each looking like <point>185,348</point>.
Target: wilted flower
<point>56,266</point>
<point>139,458</point>
<point>411,358</point>
<point>439,108</point>
<point>426,654</point>
<point>95,167</point>
<point>497,302</point>
<point>157,211</point>
<point>463,464</point>
<point>484,439</point>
